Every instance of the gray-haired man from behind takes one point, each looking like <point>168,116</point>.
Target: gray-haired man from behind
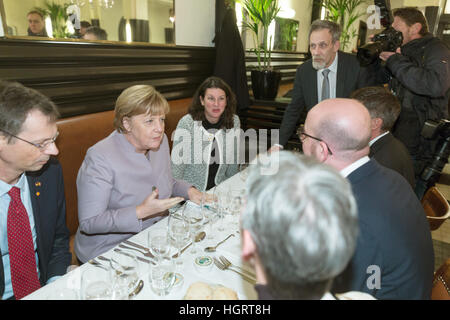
<point>299,228</point>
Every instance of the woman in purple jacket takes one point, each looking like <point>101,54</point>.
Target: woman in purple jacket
<point>117,176</point>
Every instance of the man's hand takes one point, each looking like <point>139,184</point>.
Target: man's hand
<point>387,54</point>
<point>151,205</point>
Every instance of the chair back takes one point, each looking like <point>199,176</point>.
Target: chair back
<point>436,207</point>
<point>441,282</point>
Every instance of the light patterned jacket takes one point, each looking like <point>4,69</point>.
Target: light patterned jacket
<point>191,152</point>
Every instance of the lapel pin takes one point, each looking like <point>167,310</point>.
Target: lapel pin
<point>38,184</point>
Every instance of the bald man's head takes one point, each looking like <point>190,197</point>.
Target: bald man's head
<point>344,124</point>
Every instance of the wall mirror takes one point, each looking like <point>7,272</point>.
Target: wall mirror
<point>149,21</point>
<point>286,32</point>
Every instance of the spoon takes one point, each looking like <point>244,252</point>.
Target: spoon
<point>137,290</point>
<point>199,237</point>
<point>213,249</point>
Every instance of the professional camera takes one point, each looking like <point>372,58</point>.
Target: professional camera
<point>440,133</point>
<point>387,40</point>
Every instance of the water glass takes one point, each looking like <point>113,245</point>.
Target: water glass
<point>162,276</point>
<point>125,274</point>
<point>243,172</point>
<point>223,202</point>
<point>194,218</point>
<point>96,283</point>
<point>158,242</point>
<point>235,207</point>
<point>178,230</point>
<point>208,207</point>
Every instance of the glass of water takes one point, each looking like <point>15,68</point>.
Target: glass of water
<point>125,274</point>
<point>158,242</point>
<point>96,283</point>
<point>162,276</point>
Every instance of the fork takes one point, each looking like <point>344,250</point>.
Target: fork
<point>145,253</point>
<point>223,267</point>
<point>228,263</point>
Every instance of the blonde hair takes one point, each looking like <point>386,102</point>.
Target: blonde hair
<point>136,100</point>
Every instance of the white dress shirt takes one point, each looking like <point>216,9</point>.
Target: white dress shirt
<point>355,165</point>
<point>331,78</point>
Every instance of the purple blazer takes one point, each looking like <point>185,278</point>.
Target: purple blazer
<point>113,179</point>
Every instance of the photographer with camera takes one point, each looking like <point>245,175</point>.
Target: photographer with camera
<point>418,74</point>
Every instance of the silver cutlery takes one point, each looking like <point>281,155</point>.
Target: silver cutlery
<point>130,243</point>
<point>199,237</point>
<point>137,290</point>
<point>212,249</point>
<point>223,267</point>
<point>228,263</point>
<point>139,258</point>
<point>97,264</point>
<point>145,253</point>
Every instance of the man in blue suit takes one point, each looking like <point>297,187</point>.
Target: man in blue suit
<point>34,239</point>
<point>394,256</point>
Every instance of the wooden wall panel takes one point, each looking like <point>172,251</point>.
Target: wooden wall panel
<point>85,78</point>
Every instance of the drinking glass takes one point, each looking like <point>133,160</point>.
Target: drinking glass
<point>194,218</point>
<point>125,274</point>
<point>223,203</point>
<point>96,283</point>
<point>178,230</point>
<point>235,207</point>
<point>162,276</point>
<point>158,242</point>
<point>208,206</point>
<point>243,172</point>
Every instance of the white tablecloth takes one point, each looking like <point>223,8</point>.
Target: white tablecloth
<point>230,249</point>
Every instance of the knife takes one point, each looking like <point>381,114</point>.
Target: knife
<point>138,246</point>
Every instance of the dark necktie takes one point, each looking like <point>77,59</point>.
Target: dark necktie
<point>24,277</point>
<point>325,85</point>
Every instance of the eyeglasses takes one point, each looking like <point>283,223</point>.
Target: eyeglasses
<point>302,135</point>
<point>41,146</point>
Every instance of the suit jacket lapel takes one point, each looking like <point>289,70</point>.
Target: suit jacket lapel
<point>341,76</point>
<point>312,84</point>
<point>36,212</point>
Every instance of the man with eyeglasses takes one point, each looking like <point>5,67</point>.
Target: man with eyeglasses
<point>330,73</point>
<point>34,239</point>
<point>394,256</point>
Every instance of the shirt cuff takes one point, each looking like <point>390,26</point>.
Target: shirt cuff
<point>279,145</point>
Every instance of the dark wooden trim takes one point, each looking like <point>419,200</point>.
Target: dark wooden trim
<point>283,61</point>
<point>84,78</point>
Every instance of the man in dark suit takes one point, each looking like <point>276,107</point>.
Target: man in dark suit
<point>384,109</point>
<point>330,73</point>
<point>34,239</point>
<point>394,256</point>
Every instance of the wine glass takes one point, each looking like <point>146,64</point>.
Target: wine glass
<point>208,207</point>
<point>223,202</point>
<point>236,202</point>
<point>158,243</point>
<point>194,218</point>
<point>125,274</point>
<point>96,283</point>
<point>178,230</point>
<point>243,172</point>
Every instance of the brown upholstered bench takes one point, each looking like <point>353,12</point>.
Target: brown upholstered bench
<point>79,133</point>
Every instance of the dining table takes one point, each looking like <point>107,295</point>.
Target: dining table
<point>190,271</point>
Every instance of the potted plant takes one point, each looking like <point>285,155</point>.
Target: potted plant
<point>58,15</point>
<point>260,14</point>
<point>344,13</point>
